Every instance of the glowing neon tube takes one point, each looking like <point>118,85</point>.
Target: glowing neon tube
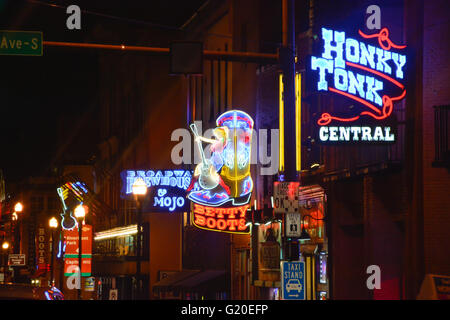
<point>281,119</point>
<point>298,121</point>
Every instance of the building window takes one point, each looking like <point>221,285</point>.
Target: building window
<point>53,204</point>
<point>441,135</point>
<point>121,246</point>
<point>37,204</point>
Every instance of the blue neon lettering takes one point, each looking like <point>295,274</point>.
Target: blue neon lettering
<point>352,50</point>
<point>373,85</point>
<point>171,203</point>
<point>340,79</point>
<point>339,39</point>
<point>171,178</point>
<point>367,55</point>
<point>322,64</point>
<point>356,83</point>
<point>399,61</point>
<point>158,202</point>
<point>383,56</point>
<point>338,49</point>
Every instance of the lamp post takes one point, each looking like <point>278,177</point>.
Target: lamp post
<point>5,247</point>
<point>18,208</point>
<point>139,191</point>
<point>80,213</point>
<point>53,223</point>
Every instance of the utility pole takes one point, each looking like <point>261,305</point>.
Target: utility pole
<point>287,62</point>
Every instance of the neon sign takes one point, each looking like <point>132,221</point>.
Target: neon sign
<point>163,199</point>
<point>220,219</point>
<point>78,191</point>
<point>223,182</point>
<point>167,188</point>
<point>364,73</point>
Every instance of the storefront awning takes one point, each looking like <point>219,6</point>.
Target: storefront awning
<point>200,278</point>
<point>170,282</point>
<point>187,279</point>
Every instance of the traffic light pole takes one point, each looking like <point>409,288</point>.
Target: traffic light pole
<point>287,62</point>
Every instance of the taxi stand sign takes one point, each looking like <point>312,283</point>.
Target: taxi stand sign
<point>293,280</point>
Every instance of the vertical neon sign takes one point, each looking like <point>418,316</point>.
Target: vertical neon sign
<point>222,186</point>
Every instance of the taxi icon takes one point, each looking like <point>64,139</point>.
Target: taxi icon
<point>293,285</point>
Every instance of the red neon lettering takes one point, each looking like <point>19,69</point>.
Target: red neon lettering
<point>204,216</point>
<point>230,213</point>
<point>221,224</point>
<point>232,224</point>
<point>211,223</point>
<point>241,225</point>
<point>199,209</point>
<point>220,212</point>
<point>210,212</point>
<point>243,210</point>
<point>199,220</point>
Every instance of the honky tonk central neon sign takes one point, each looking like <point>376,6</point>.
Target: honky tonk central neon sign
<point>363,73</point>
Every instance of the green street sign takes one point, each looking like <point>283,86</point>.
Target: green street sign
<point>20,43</point>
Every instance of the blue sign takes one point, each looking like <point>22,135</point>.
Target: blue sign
<point>293,280</point>
<point>166,188</point>
<point>373,75</point>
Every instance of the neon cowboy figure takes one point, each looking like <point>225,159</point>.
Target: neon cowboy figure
<point>225,176</point>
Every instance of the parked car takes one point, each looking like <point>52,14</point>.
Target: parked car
<point>12,291</point>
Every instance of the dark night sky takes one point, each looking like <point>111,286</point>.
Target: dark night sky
<point>40,94</point>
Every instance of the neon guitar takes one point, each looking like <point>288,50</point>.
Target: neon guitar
<point>68,221</point>
<point>208,178</point>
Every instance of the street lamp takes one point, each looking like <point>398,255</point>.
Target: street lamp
<point>18,207</point>
<point>139,190</point>
<point>53,223</point>
<point>5,246</point>
<point>79,213</point>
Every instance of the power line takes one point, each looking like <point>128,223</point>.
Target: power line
<point>108,16</point>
